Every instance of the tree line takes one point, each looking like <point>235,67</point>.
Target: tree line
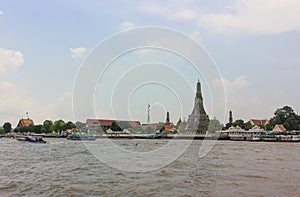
<point>47,127</point>
<point>282,116</point>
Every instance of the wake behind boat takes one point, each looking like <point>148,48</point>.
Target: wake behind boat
<point>84,137</point>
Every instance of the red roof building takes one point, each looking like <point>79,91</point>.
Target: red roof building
<point>278,129</point>
<point>106,124</point>
<point>259,122</point>
<point>25,123</point>
<point>170,128</point>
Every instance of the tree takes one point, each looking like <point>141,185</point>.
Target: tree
<point>2,130</point>
<point>7,127</point>
<point>46,128</point>
<point>81,126</point>
<point>58,126</point>
<point>214,125</point>
<point>241,123</point>
<point>36,128</point>
<point>135,129</point>
<point>115,127</point>
<point>149,130</point>
<point>247,126</point>
<point>123,125</point>
<point>285,116</point>
<point>70,125</point>
<point>25,129</point>
<point>160,126</point>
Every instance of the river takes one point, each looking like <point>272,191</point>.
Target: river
<point>67,168</point>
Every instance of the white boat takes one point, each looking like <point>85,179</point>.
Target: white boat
<point>281,138</point>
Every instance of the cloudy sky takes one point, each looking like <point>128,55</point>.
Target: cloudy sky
<point>254,43</point>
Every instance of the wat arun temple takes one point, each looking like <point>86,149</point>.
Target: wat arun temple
<point>198,120</point>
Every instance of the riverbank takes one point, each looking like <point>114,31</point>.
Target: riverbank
<point>147,136</point>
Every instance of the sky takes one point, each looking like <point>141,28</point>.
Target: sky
<point>255,45</point>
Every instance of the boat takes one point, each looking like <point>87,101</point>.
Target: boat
<point>76,136</point>
<point>280,138</point>
<point>31,139</point>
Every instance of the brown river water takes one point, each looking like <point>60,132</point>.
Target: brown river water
<point>67,168</point>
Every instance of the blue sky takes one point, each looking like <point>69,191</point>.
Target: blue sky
<point>255,43</point>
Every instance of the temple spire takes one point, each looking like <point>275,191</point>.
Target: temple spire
<point>198,120</point>
<point>148,113</point>
<point>230,117</point>
<point>168,118</point>
<point>198,90</point>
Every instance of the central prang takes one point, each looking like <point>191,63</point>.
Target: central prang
<point>198,120</point>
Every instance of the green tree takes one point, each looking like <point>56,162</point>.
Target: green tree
<point>7,127</point>
<point>160,126</point>
<point>123,125</point>
<point>70,125</point>
<point>46,128</point>
<point>25,129</point>
<point>135,129</point>
<point>149,130</point>
<point>58,126</point>
<point>37,128</point>
<point>241,123</point>
<point>247,126</point>
<point>115,127</point>
<point>214,125</point>
<point>2,130</point>
<point>285,116</point>
<point>81,126</point>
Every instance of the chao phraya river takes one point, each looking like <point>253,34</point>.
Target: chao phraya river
<point>67,168</point>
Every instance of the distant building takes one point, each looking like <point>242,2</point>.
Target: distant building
<point>25,123</point>
<point>153,126</point>
<point>167,126</point>
<point>278,129</point>
<point>259,122</point>
<point>170,128</point>
<point>106,124</point>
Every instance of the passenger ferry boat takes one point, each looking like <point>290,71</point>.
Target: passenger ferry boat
<point>258,134</point>
<point>239,134</point>
<point>280,138</point>
<point>30,138</point>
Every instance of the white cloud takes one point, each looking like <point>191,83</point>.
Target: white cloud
<point>184,15</point>
<point>237,83</point>
<point>1,12</point>
<point>196,36</point>
<point>62,108</point>
<point>125,25</point>
<point>14,102</point>
<point>153,8</point>
<point>10,59</point>
<point>256,16</point>
<point>78,52</point>
<point>177,10</point>
<point>6,85</point>
<point>238,16</point>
